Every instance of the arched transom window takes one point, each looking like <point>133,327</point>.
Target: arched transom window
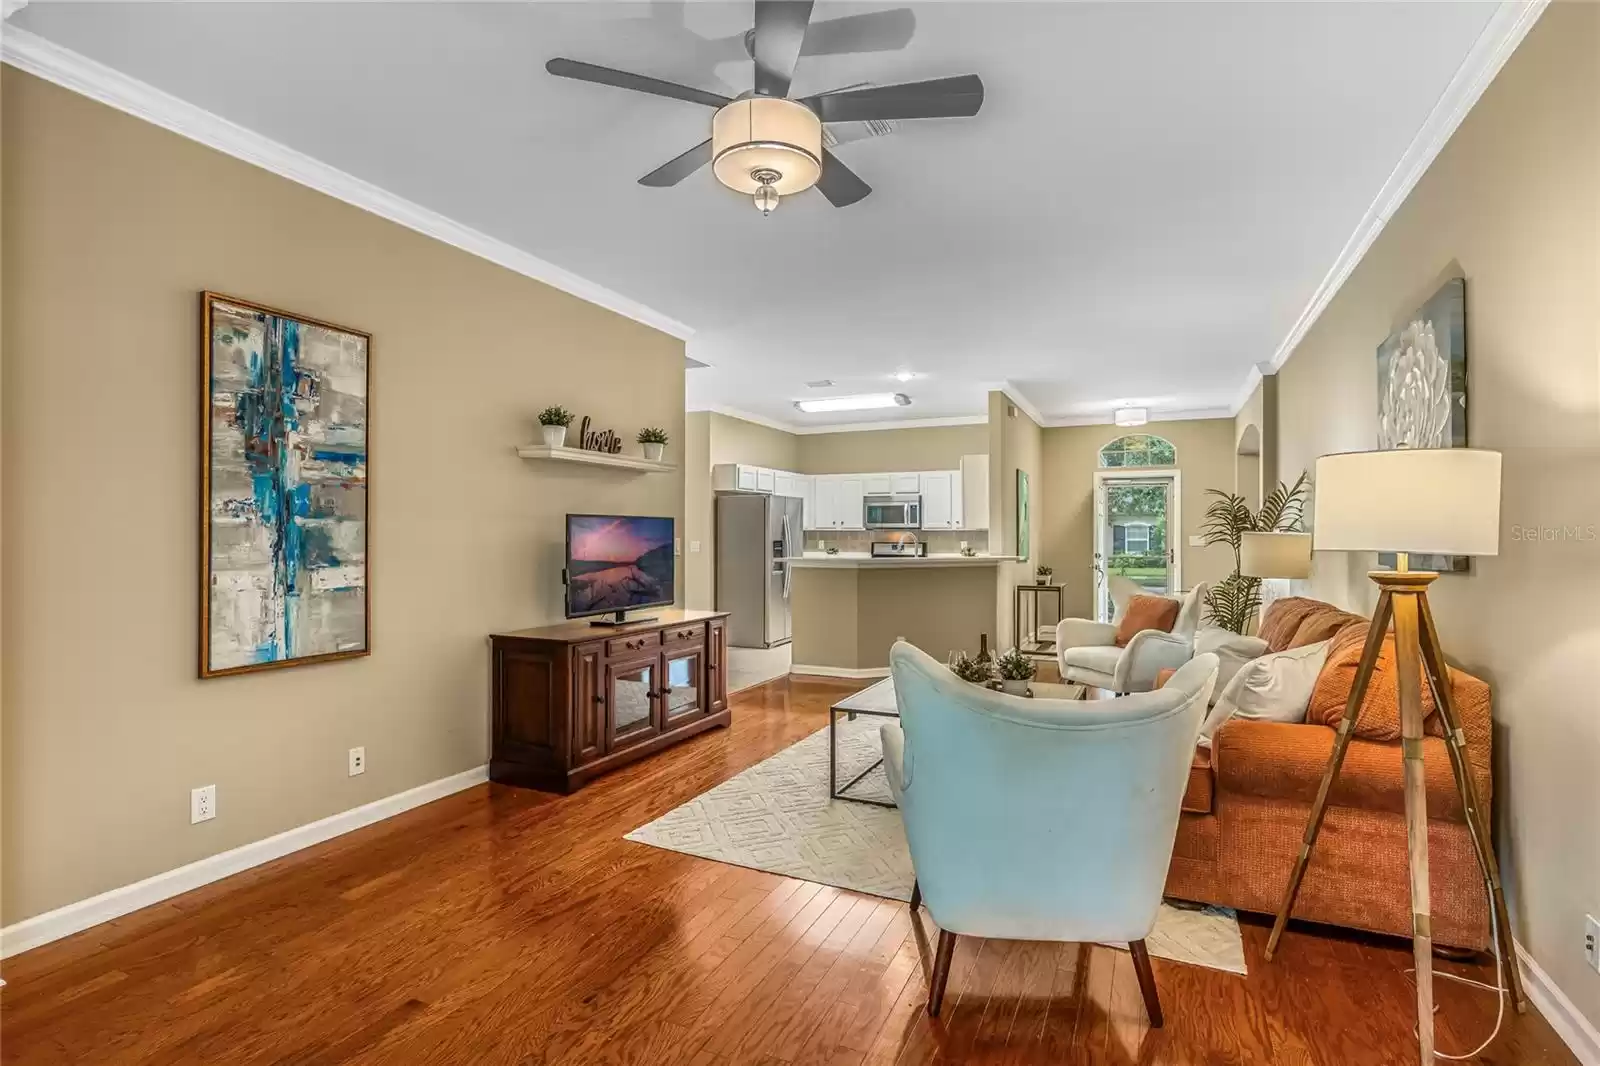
<point>1139,449</point>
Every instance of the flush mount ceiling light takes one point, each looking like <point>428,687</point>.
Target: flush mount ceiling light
<point>904,375</point>
<point>866,402</point>
<point>1131,416</point>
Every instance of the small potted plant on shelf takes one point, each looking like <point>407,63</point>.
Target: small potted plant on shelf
<point>1044,574</point>
<point>654,441</point>
<point>553,421</point>
<point>978,670</point>
<point>1016,670</point>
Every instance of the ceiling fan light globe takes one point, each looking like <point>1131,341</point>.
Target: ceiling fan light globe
<point>766,133</point>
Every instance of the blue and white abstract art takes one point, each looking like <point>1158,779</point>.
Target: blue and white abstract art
<point>285,490</point>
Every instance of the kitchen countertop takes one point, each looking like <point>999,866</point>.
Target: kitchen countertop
<point>857,560</point>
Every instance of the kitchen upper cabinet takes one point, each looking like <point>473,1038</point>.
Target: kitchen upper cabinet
<point>808,498</point>
<point>973,509</point>
<point>878,484</point>
<point>905,483</point>
<point>938,499</point>
<point>838,502</point>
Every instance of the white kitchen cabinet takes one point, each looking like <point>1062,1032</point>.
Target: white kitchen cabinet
<point>851,497</point>
<point>764,479</point>
<point>938,499</point>
<point>808,497</point>
<point>878,484</point>
<point>905,483</point>
<point>838,502</point>
<point>783,484</point>
<point>972,510</point>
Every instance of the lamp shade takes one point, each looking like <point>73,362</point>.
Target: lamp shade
<point>1434,501</point>
<point>1275,555</point>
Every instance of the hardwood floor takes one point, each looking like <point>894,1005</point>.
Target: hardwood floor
<point>507,926</point>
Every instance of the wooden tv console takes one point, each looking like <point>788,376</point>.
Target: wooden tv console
<point>572,701</point>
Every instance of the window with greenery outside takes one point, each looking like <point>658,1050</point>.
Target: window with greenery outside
<point>1139,449</point>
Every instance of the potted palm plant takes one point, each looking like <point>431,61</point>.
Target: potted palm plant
<point>1015,670</point>
<point>553,422</point>
<point>1233,601</point>
<point>654,441</point>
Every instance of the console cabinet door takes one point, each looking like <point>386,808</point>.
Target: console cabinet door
<point>717,665</point>
<point>631,693</point>
<point>588,703</point>
<point>683,692</point>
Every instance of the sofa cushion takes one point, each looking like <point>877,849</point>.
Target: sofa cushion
<point>1232,651</point>
<point>1380,711</point>
<point>1273,688</point>
<point>1281,620</point>
<point>1099,658</point>
<point>1318,626</point>
<point>1147,612</point>
<point>1199,791</point>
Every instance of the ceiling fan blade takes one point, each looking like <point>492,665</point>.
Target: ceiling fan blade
<point>675,170</point>
<point>779,34</point>
<point>957,97</point>
<point>839,183</point>
<point>876,31</point>
<point>572,68</point>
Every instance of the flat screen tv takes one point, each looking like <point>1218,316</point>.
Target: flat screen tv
<point>618,563</point>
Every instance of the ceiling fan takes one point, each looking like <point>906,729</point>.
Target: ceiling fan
<point>767,145</point>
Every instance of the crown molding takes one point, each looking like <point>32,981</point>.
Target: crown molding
<point>909,423</point>
<point>1156,417</point>
<point>1506,28</point>
<point>70,70</point>
<point>11,7</point>
<point>747,416</point>
<point>1252,381</point>
<point>1014,393</point>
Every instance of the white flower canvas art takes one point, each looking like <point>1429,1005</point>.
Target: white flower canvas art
<point>1422,390</point>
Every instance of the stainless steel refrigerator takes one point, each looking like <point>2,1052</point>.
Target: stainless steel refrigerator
<point>756,534</point>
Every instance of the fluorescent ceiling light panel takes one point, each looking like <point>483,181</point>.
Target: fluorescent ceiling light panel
<point>1132,416</point>
<point>865,402</point>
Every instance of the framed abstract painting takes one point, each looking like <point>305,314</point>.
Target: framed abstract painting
<point>283,485</point>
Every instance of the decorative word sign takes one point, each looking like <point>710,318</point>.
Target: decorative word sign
<point>599,440</point>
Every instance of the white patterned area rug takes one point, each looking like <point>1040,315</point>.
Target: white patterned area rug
<point>776,816</point>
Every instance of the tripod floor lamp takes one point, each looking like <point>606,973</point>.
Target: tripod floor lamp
<point>1439,501</point>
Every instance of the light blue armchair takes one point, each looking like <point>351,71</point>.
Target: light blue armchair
<point>1036,819</point>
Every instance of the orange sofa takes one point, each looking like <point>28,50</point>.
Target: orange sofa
<point>1250,795</point>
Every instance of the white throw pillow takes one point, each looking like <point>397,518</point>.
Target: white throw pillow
<point>1232,651</point>
<point>1274,688</point>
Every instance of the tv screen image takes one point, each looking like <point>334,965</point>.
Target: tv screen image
<point>618,562</point>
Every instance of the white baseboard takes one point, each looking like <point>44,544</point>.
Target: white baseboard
<point>840,671</point>
<point>1576,1031</point>
<point>76,917</point>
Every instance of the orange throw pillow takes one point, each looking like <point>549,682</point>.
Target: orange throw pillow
<point>1283,617</point>
<point>1380,711</point>
<point>1321,625</point>
<point>1147,612</point>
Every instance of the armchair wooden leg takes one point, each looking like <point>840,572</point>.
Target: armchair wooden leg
<point>941,971</point>
<point>916,895</point>
<point>1147,982</point>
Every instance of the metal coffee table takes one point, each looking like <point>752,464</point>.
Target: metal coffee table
<point>875,701</point>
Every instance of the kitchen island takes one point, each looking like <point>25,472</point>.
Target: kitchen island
<point>848,609</point>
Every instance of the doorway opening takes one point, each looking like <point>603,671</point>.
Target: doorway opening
<point>1137,519</point>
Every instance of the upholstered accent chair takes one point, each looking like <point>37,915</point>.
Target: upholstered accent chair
<point>1088,654</point>
<point>1040,819</point>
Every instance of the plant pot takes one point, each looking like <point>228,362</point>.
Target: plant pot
<point>653,452</point>
<point>554,436</point>
<point>1013,688</point>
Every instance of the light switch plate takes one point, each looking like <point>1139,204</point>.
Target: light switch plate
<point>1591,941</point>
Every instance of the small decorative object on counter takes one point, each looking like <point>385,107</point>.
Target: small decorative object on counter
<point>831,550</point>
<point>1045,574</point>
<point>978,671</point>
<point>1015,670</point>
<point>554,422</point>
<point>654,441</point>
<point>968,552</point>
<point>598,440</point>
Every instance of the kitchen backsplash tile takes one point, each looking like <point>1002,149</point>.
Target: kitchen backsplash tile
<point>939,541</point>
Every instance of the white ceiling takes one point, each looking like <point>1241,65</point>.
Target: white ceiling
<point>1148,200</point>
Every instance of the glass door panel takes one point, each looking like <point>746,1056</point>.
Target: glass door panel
<point>633,696</point>
<point>1135,523</point>
<point>685,678</point>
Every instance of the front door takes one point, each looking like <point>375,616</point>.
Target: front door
<point>1136,529</point>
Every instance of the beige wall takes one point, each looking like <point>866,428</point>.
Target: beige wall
<point>877,451</point>
<point>733,440</point>
<point>698,516</point>
<point>1261,411</point>
<point>1205,450</point>
<point>111,228</point>
<point>1014,444</point>
<point>1513,205</point>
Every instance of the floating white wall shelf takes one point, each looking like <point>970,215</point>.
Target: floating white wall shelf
<point>636,463</point>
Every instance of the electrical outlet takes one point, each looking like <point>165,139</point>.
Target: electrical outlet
<point>1591,941</point>
<point>358,761</point>
<point>202,804</point>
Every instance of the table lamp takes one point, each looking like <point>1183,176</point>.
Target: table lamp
<point>1439,501</point>
<point>1280,555</point>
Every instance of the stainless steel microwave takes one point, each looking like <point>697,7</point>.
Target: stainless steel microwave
<point>899,511</point>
